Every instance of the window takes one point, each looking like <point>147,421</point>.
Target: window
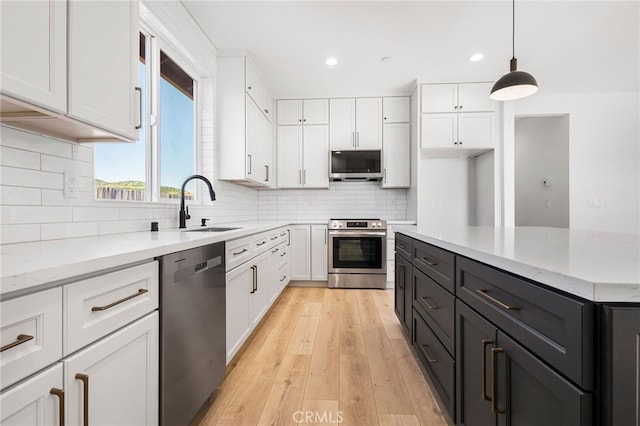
<point>154,167</point>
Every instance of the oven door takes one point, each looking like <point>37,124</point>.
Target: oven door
<point>357,252</point>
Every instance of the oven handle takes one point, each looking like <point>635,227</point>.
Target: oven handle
<point>357,234</point>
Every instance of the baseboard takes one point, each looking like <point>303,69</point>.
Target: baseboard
<point>322,284</point>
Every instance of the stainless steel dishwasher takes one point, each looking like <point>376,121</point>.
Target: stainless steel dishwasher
<point>192,330</point>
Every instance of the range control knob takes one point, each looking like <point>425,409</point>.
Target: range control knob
<point>379,225</point>
<point>334,224</point>
<point>373,225</point>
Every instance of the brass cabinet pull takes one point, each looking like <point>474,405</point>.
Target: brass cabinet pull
<point>494,378</point>
<point>60,394</point>
<point>240,252</point>
<point>140,292</point>
<point>485,343</point>
<point>85,398</point>
<point>430,262</point>
<point>426,354</point>
<point>485,294</point>
<point>429,305</point>
<point>22,338</point>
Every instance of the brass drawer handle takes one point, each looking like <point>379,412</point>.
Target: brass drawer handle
<point>430,262</point>
<point>485,343</point>
<point>429,305</point>
<point>85,397</point>
<point>60,394</point>
<point>20,340</point>
<point>426,354</point>
<point>240,252</point>
<point>485,294</point>
<point>494,378</point>
<point>140,292</point>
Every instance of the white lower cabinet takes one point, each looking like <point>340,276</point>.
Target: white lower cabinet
<point>309,252</point>
<point>115,380</point>
<point>238,291</point>
<point>37,401</point>
<point>258,297</point>
<point>319,251</point>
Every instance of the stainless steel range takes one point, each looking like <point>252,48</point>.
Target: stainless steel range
<point>357,253</point>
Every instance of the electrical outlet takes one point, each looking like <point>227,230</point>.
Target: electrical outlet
<point>70,185</point>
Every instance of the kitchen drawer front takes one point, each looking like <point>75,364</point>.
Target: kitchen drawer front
<point>437,306</point>
<point>404,245</point>
<point>30,334</point>
<point>98,306</point>
<point>437,263</point>
<point>284,254</point>
<point>436,360</point>
<point>238,252</point>
<point>557,328</point>
<point>284,274</point>
<point>259,243</point>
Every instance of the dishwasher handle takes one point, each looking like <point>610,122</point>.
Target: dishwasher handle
<point>197,268</point>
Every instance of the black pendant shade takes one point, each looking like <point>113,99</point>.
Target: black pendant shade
<point>516,84</point>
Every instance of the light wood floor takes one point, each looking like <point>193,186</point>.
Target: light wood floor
<point>335,355</point>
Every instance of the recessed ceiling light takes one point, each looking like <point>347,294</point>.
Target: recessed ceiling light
<point>331,61</point>
<point>476,57</point>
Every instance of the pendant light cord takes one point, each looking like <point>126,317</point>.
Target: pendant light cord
<point>513,29</point>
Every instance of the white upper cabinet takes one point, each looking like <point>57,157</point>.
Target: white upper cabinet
<point>303,156</point>
<point>303,111</point>
<point>245,140</point>
<point>355,123</point>
<point>34,52</point>
<point>395,110</point>
<point>69,69</point>
<point>474,97</point>
<point>396,155</point>
<point>456,97</point>
<point>103,73</point>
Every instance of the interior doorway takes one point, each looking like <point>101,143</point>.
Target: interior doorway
<point>542,171</point>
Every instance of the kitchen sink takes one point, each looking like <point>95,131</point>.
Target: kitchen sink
<point>210,229</point>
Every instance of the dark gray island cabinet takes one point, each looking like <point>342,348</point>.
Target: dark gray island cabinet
<point>500,349</point>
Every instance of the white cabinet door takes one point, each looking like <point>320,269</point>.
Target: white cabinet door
<point>290,156</point>
<point>319,251</point>
<point>255,152</point>
<point>120,374</point>
<point>33,42</point>
<point>397,152</point>
<point>31,402</point>
<point>289,112</point>
<point>266,141</point>
<point>475,130</point>
<point>238,290</point>
<point>259,297</point>
<point>300,252</point>
<point>395,110</point>
<point>439,130</point>
<point>342,124</point>
<point>439,98</point>
<point>369,123</point>
<point>256,89</point>
<point>316,156</point>
<point>102,61</point>
<point>316,111</point>
<point>272,276</point>
<point>474,97</point>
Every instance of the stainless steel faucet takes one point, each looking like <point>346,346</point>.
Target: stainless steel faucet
<point>184,214</point>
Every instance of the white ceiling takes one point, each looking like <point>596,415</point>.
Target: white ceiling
<point>569,46</point>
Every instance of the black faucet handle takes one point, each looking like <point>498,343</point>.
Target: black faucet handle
<point>187,215</point>
<point>204,221</point>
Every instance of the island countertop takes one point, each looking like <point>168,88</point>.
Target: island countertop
<point>597,266</point>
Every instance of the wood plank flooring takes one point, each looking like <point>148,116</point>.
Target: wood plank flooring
<point>324,357</point>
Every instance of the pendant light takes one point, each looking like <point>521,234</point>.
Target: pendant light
<point>515,84</point>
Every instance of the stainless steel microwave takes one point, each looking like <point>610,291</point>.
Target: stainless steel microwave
<point>356,165</point>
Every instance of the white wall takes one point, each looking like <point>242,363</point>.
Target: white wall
<point>604,152</point>
<point>484,173</point>
<point>542,154</point>
<point>341,200</point>
<point>32,206</point>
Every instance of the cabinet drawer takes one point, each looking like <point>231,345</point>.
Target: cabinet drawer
<point>238,252</point>
<point>284,274</point>
<point>404,245</point>
<point>97,306</point>
<point>30,334</point>
<point>284,254</point>
<point>259,243</point>
<point>437,263</point>
<point>555,327</point>
<point>437,361</point>
<point>436,305</point>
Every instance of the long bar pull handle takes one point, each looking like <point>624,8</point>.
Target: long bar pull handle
<point>266,179</point>
<point>253,280</point>
<point>426,354</point>
<point>494,379</point>
<point>304,176</point>
<point>429,305</point>
<point>485,294</point>
<point>140,292</point>
<point>22,338</point>
<point>255,271</point>
<point>353,139</point>
<point>400,274</point>
<point>240,252</point>
<point>85,397</point>
<point>357,139</point>
<point>485,343</point>
<point>429,261</point>
<point>250,164</point>
<point>60,394</point>
<point>139,90</point>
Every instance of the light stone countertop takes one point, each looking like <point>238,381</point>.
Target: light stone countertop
<point>597,266</point>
